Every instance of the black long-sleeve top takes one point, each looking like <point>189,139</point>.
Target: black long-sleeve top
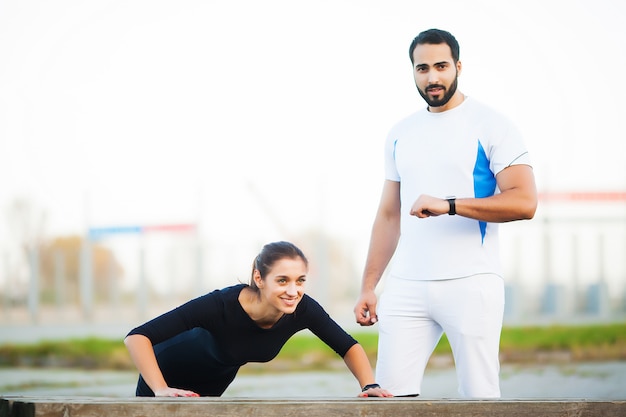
<point>201,345</point>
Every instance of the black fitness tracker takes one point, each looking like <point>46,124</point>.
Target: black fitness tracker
<point>452,201</point>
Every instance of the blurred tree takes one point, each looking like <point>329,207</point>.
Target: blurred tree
<point>25,225</point>
<point>26,222</point>
<point>62,256</point>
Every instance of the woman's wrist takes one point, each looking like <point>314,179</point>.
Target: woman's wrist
<point>370,386</point>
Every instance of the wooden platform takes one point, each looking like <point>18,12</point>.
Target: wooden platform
<point>302,407</point>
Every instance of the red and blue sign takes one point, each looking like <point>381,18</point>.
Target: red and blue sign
<point>99,232</point>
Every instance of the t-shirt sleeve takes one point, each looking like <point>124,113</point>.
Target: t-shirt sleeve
<point>194,313</point>
<point>391,171</point>
<point>508,147</point>
<point>324,327</point>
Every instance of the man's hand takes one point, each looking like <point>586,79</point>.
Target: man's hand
<point>365,309</point>
<point>428,206</point>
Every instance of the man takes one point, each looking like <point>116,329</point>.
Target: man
<point>453,171</point>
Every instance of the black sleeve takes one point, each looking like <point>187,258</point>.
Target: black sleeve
<point>324,327</point>
<point>195,313</point>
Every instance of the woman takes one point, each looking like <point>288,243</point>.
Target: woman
<point>198,348</point>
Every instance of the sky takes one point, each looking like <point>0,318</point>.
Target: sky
<point>260,120</point>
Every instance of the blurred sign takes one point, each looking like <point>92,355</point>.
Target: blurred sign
<point>98,232</point>
<point>584,196</point>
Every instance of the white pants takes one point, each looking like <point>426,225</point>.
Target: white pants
<point>413,315</point>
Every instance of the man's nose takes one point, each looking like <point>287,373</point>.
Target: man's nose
<point>433,77</point>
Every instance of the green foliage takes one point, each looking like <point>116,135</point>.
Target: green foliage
<point>305,351</point>
<point>563,337</point>
<point>85,353</point>
<point>585,342</point>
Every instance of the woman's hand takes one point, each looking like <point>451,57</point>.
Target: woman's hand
<point>375,392</point>
<point>174,392</point>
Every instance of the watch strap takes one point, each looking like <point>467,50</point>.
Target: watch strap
<point>452,202</point>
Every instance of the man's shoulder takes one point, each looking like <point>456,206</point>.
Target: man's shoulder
<point>409,120</point>
<point>477,106</point>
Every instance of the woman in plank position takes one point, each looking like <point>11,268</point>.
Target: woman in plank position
<point>197,348</point>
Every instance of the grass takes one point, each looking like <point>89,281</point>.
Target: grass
<point>93,353</point>
<point>579,343</point>
<point>306,352</point>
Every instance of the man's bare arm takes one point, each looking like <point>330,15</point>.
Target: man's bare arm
<point>517,200</point>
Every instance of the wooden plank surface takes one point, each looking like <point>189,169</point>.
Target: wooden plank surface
<point>318,407</point>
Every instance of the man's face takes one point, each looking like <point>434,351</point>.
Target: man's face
<point>435,75</point>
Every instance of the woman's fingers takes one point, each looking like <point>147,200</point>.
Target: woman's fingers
<point>175,392</point>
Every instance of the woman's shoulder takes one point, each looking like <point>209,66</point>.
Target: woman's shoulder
<point>219,295</point>
<point>233,289</point>
<point>230,290</point>
<point>309,305</point>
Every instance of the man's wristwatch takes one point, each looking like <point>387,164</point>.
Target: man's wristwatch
<point>452,201</point>
<point>368,386</point>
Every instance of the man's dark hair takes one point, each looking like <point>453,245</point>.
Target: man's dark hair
<point>436,37</point>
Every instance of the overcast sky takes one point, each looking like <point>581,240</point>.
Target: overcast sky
<point>264,118</point>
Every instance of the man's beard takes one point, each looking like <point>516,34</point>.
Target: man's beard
<point>438,102</point>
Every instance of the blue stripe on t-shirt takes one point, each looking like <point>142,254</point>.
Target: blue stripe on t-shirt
<point>484,182</point>
<point>395,144</point>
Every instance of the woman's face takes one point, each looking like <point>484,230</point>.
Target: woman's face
<point>283,287</point>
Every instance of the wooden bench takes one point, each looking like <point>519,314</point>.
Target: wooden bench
<point>303,407</point>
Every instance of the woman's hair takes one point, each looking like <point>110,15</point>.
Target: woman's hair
<point>272,253</point>
<point>436,37</point>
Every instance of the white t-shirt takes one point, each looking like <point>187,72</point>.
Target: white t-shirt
<point>454,153</point>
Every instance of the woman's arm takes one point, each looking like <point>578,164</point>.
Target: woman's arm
<point>142,354</point>
<point>359,364</point>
